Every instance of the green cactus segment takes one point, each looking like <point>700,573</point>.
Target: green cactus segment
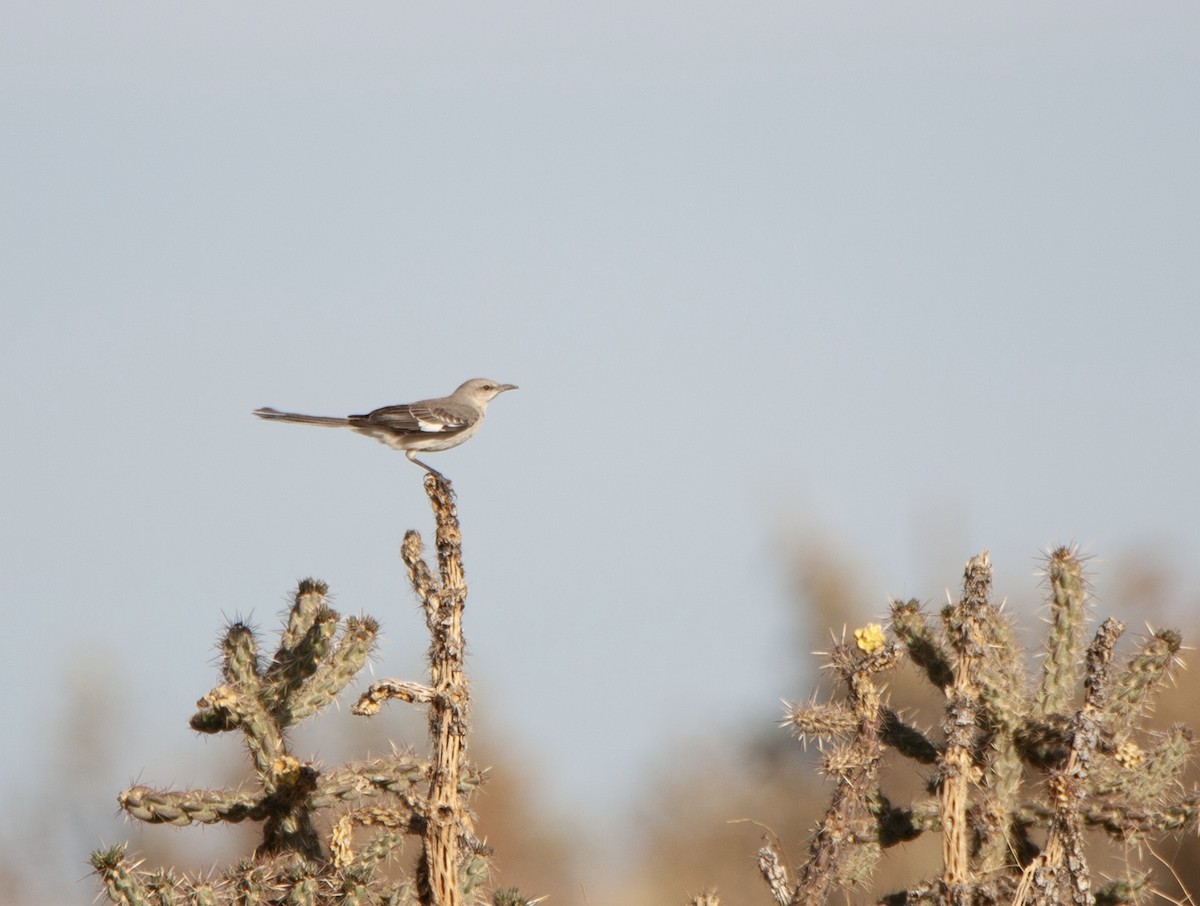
<point>1002,688</point>
<point>474,874</point>
<point>820,722</point>
<point>239,657</point>
<point>1064,641</point>
<point>292,667</point>
<point>335,669</point>
<point>1134,687</point>
<point>165,888</point>
<point>191,807</point>
<point>263,735</point>
<point>121,883</point>
<point>311,597</point>
<point>1003,682</point>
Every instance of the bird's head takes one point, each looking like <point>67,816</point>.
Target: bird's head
<point>483,390</point>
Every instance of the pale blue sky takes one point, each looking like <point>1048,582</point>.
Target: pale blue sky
<point>881,273</point>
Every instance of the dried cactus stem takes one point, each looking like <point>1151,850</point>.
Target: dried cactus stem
<point>384,690</point>
<point>443,600</point>
<point>776,876</point>
<point>966,632</point>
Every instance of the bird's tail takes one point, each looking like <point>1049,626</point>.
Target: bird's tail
<point>324,421</point>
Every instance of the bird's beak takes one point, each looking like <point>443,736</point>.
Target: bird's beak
<point>504,387</point>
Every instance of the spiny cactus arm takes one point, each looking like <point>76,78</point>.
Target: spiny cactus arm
<point>1129,824</point>
<point>263,735</point>
<point>396,773</point>
<point>965,630</point>
<point>239,658</point>
<point>1067,600</point>
<point>311,598</point>
<point>1134,687</point>
<point>337,670</point>
<point>381,848</point>
<point>1004,704</point>
<point>121,881</point>
<point>1124,823</point>
<point>826,721</point>
<point>283,803</point>
<point>997,796</point>
<point>818,721</point>
<point>925,649</point>
<point>184,807</point>
<point>1002,679</point>
<point>404,777</point>
<point>419,575</point>
<point>292,668</point>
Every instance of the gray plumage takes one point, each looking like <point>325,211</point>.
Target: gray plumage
<point>426,425</point>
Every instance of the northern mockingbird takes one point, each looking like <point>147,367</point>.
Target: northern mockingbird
<point>432,425</point>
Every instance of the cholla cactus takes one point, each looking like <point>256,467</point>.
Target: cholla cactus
<point>1016,754</point>
<point>396,798</point>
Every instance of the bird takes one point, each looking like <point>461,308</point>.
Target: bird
<point>426,425</point>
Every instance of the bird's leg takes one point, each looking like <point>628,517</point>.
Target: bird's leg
<point>430,469</point>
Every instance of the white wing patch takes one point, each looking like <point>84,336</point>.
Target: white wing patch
<point>431,427</point>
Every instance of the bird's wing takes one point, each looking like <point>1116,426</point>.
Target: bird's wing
<point>427,417</point>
